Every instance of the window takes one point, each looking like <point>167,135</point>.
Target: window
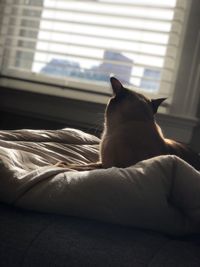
<point>77,45</point>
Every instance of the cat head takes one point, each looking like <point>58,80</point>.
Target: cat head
<point>127,105</point>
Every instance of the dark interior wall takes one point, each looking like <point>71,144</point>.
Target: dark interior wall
<point>11,120</point>
<point>20,109</point>
<point>195,142</point>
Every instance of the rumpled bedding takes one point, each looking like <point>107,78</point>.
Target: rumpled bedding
<point>161,194</point>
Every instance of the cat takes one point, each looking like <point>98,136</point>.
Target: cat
<point>131,133</point>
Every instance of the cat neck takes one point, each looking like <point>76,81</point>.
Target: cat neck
<point>134,129</point>
<point>131,124</point>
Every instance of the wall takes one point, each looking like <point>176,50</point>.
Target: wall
<point>21,109</point>
<point>195,142</point>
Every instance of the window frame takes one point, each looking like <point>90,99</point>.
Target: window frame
<point>188,78</point>
<point>73,84</point>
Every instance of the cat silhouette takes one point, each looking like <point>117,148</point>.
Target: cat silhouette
<point>131,133</point>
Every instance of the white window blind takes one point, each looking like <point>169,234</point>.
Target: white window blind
<point>79,44</point>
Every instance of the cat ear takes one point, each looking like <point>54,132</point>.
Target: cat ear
<point>116,85</point>
<point>155,103</point>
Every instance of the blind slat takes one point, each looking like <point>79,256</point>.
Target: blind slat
<point>146,28</point>
<point>166,74</point>
<point>161,5</point>
<point>133,76</point>
<point>108,12</point>
<point>128,37</point>
<point>86,57</point>
<point>139,51</point>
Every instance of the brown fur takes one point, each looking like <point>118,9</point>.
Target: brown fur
<point>131,133</point>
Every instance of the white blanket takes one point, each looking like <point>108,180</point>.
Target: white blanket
<point>162,193</point>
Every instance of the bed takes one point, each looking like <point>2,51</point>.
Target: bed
<point>146,214</point>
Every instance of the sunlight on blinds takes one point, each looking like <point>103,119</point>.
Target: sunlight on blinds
<point>135,40</point>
